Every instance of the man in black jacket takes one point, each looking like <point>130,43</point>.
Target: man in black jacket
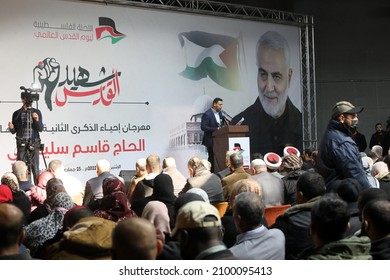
<point>27,123</point>
<point>295,222</point>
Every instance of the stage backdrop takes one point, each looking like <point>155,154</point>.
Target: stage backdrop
<point>121,83</point>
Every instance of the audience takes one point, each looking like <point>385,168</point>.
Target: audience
<point>238,173</point>
<point>272,186</point>
<point>329,224</point>
<point>53,187</point>
<point>85,237</point>
<point>178,179</point>
<point>140,174</point>
<point>19,197</point>
<point>42,230</point>
<point>135,239</point>
<point>255,241</point>
<point>381,172</point>
<point>156,212</point>
<point>348,190</point>
<point>5,194</point>
<point>230,230</point>
<point>198,230</point>
<point>376,222</point>
<point>295,221</point>
<point>292,165</point>
<point>93,191</point>
<point>72,185</point>
<point>12,233</point>
<point>188,226</point>
<point>114,205</point>
<point>364,197</point>
<point>201,177</point>
<point>19,168</point>
<point>144,187</point>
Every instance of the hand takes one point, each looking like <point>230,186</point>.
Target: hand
<point>10,125</point>
<point>35,116</point>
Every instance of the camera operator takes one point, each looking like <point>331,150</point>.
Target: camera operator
<point>27,123</point>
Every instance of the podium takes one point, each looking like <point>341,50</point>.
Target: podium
<point>221,143</point>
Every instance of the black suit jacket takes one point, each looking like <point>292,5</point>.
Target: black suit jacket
<point>209,124</point>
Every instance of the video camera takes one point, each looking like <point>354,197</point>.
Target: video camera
<point>29,95</point>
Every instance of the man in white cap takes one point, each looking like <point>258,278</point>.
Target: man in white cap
<point>338,156</point>
<point>198,230</point>
<point>273,162</point>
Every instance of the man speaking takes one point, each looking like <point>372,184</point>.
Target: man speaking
<point>212,120</point>
<point>273,120</point>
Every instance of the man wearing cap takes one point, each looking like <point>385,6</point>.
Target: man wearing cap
<point>273,162</point>
<point>338,155</point>
<point>198,230</point>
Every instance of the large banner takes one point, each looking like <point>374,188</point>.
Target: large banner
<point>121,83</point>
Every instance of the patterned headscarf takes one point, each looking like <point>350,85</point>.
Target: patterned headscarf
<point>114,205</point>
<point>53,187</point>
<point>47,227</point>
<point>157,213</point>
<point>9,179</point>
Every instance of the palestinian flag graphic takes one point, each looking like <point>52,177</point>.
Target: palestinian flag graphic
<point>211,55</point>
<point>107,25</point>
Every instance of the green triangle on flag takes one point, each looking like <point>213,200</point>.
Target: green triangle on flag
<point>211,55</point>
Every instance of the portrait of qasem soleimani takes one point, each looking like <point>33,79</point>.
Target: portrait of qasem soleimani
<point>274,121</point>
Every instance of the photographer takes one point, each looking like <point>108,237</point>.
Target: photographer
<point>27,123</point>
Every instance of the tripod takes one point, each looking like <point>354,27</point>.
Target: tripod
<point>28,151</point>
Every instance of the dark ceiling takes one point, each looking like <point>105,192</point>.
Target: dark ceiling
<point>281,5</point>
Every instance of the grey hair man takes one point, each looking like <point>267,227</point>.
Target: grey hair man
<point>19,168</point>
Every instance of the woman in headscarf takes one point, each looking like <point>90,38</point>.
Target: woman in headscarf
<point>46,228</point>
<point>157,213</point>
<point>53,187</point>
<point>20,198</point>
<point>163,191</point>
<point>114,205</point>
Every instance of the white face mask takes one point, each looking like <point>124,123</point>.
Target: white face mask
<point>355,123</point>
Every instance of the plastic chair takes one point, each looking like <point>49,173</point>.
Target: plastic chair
<point>272,212</point>
<point>222,207</point>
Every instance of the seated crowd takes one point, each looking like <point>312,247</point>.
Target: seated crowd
<point>165,215</point>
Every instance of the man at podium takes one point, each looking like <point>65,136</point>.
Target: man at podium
<point>273,120</point>
<point>212,120</point>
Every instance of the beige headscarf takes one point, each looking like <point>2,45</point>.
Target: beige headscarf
<point>9,179</point>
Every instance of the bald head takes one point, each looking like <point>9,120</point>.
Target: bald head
<point>19,168</point>
<point>153,164</point>
<point>11,228</point>
<point>134,239</point>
